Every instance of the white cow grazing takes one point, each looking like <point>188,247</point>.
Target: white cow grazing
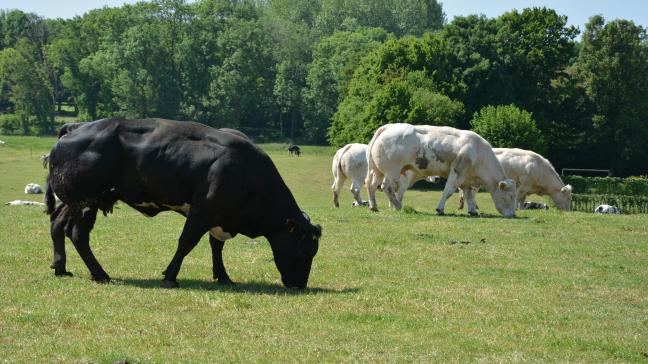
<point>606,209</point>
<point>33,189</point>
<point>534,174</point>
<point>24,203</point>
<point>350,161</point>
<point>463,157</point>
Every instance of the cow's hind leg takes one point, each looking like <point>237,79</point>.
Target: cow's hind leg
<point>338,183</point>
<point>83,222</point>
<point>59,219</point>
<point>374,178</point>
<point>191,234</point>
<point>469,195</point>
<point>217,258</point>
<point>390,186</point>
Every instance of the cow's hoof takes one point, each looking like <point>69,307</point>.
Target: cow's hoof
<point>440,212</point>
<point>169,284</point>
<point>224,281</point>
<point>101,280</point>
<point>473,213</point>
<point>63,274</point>
<point>374,209</point>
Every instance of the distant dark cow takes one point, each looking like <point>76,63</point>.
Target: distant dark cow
<point>294,149</point>
<point>530,205</point>
<point>221,182</point>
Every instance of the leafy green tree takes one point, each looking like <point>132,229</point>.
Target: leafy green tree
<point>507,126</point>
<point>400,17</point>
<point>613,66</point>
<point>27,90</point>
<point>240,92</point>
<point>335,58</point>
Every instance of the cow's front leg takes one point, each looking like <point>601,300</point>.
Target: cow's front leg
<point>217,260</point>
<point>80,235</point>
<point>374,178</point>
<point>448,190</point>
<point>192,231</point>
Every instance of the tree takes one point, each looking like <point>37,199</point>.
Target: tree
<point>28,92</point>
<point>335,58</point>
<point>507,126</point>
<point>613,66</point>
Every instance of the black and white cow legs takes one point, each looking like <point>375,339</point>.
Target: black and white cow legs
<point>80,235</point>
<point>191,234</point>
<point>217,260</point>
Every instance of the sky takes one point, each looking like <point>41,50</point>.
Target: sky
<point>577,11</point>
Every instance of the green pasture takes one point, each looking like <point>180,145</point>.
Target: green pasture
<point>391,286</point>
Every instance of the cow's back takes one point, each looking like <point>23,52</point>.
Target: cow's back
<point>142,160</point>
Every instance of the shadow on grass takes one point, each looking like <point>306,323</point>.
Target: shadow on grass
<point>261,288</point>
<point>462,215</point>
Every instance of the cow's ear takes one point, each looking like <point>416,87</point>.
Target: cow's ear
<point>505,185</point>
<point>291,225</point>
<point>566,189</point>
<point>502,185</point>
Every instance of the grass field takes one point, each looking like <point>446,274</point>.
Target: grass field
<point>385,287</point>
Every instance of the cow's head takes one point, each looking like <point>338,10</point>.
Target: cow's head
<point>563,198</point>
<point>504,197</point>
<point>294,247</point>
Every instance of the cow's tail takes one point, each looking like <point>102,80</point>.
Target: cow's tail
<point>371,165</point>
<point>50,200</point>
<point>337,165</point>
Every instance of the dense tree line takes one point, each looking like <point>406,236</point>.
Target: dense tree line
<point>331,71</point>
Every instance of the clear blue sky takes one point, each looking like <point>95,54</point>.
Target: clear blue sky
<point>578,11</point>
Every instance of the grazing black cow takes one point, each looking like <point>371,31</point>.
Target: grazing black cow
<point>218,179</point>
<point>294,149</point>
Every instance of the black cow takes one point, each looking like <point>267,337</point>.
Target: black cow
<point>218,179</point>
<point>294,149</point>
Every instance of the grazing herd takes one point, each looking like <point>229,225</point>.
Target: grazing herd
<point>401,154</point>
<point>225,185</point>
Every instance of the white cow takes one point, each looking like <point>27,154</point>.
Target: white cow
<point>33,189</point>
<point>534,174</point>
<point>463,157</point>
<point>606,209</point>
<point>350,161</point>
<point>24,203</point>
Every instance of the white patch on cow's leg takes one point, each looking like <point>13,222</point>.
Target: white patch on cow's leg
<point>218,233</point>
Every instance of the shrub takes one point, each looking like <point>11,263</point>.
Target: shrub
<point>631,186</point>
<point>506,126</point>
<point>9,124</point>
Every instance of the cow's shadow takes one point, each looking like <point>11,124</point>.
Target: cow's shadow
<point>460,215</point>
<point>252,287</point>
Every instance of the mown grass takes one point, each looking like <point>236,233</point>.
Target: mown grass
<point>386,287</point>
